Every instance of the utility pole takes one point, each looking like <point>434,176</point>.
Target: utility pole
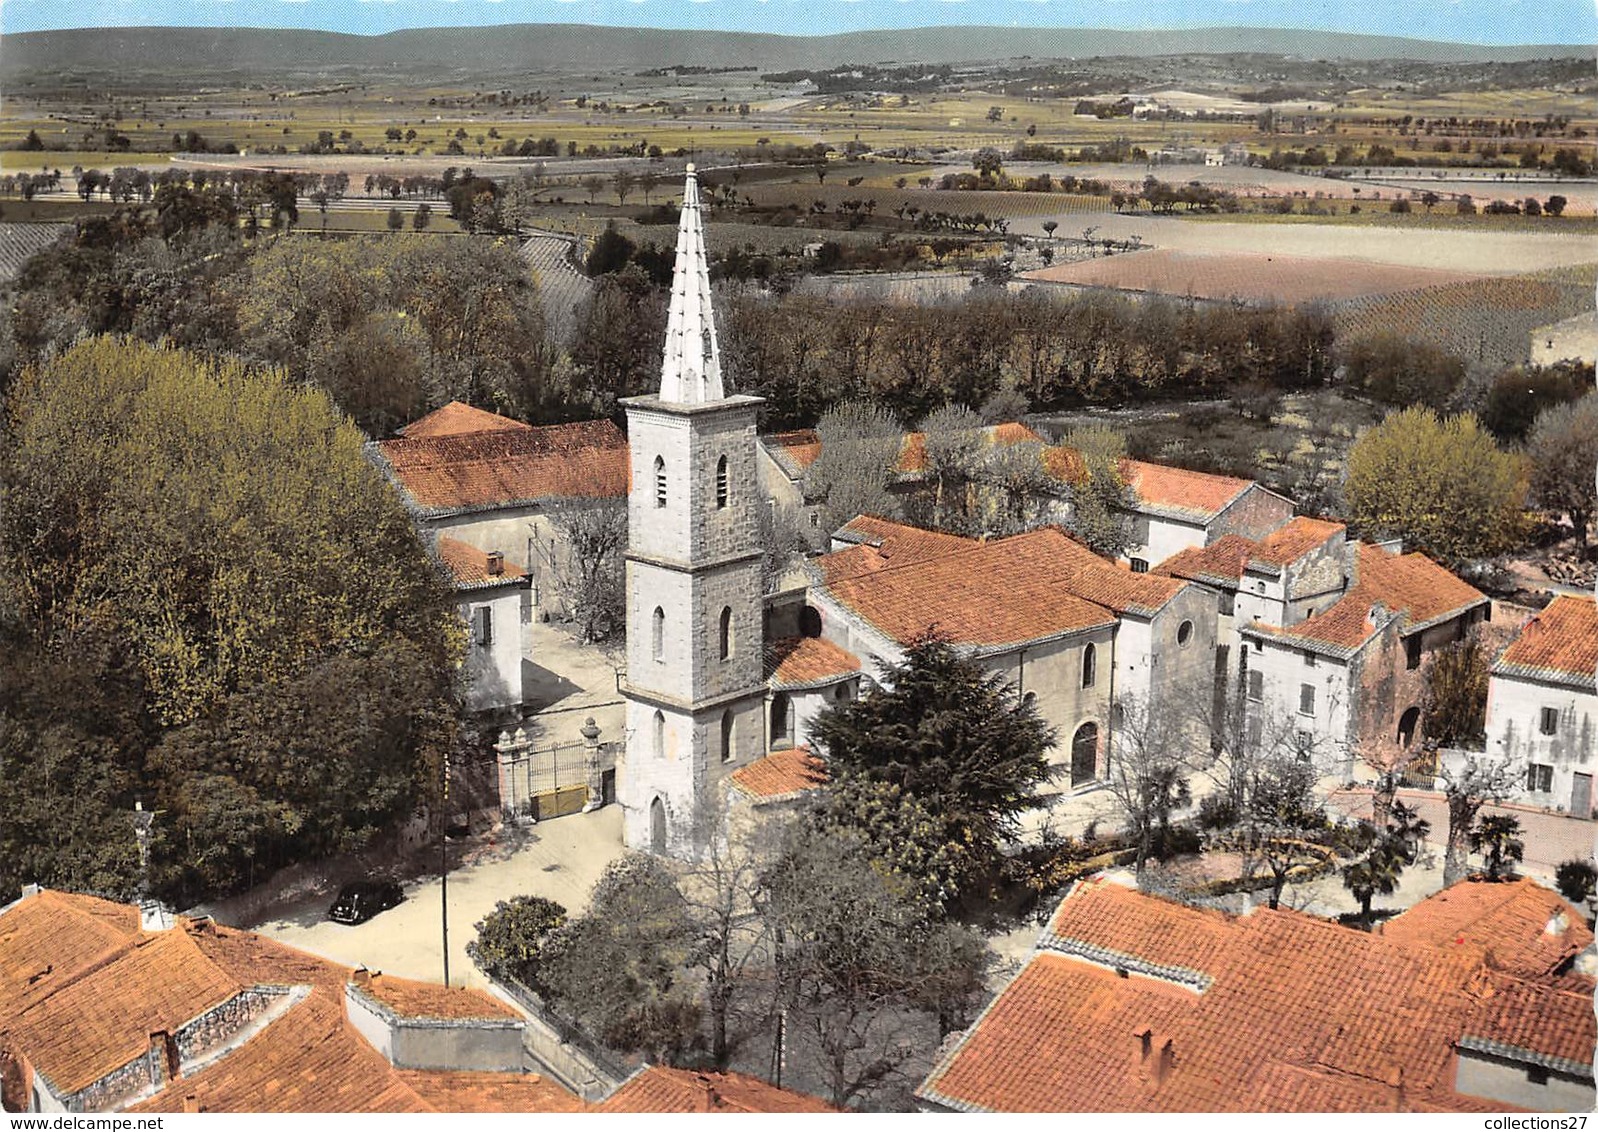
<point>443,862</point>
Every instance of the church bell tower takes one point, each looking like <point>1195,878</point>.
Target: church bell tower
<point>694,686</point>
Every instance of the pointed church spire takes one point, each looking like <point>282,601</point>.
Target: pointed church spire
<point>691,372</point>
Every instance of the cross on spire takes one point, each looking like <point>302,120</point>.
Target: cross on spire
<point>691,371</point>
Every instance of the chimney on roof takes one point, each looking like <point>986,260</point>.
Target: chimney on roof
<point>1165,1060</point>
<point>496,563</point>
<point>707,1100</point>
<point>1142,1050</point>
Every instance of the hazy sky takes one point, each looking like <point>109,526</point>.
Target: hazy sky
<point>1467,21</point>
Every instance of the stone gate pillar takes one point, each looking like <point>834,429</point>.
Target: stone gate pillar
<point>591,768</point>
<point>511,748</point>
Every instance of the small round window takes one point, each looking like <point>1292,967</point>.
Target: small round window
<point>1184,633</point>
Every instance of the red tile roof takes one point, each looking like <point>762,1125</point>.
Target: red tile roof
<point>113,985</point>
<point>780,774</point>
<point>655,1089</point>
<point>807,662</point>
<point>1222,562</point>
<point>450,474</point>
<point>99,1019</point>
<point>1291,1013</point>
<point>1411,585</point>
<point>1294,539</point>
<point>883,543</point>
<point>794,451</point>
<point>411,999</point>
<point>465,1091</point>
<point>309,1060</point>
<point>1525,928</point>
<point>468,566</point>
<point>1561,641</point>
<point>988,594</point>
<point>1529,1021</point>
<point>992,594</point>
<point>457,419</point>
<point>1197,495</point>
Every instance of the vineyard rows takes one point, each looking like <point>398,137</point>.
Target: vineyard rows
<point>21,242</point>
<point>1485,320</point>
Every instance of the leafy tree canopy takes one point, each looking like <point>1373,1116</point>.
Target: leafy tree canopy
<point>265,648</point>
<point>1440,482</point>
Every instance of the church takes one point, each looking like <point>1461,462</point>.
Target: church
<point>722,680</point>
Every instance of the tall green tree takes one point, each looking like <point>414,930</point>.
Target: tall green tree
<point>954,737</point>
<point>278,650</point>
<point>1440,483</point>
<point>1563,449</point>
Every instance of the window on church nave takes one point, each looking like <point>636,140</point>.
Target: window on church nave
<point>1090,656</point>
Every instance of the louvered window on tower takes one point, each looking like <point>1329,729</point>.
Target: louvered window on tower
<point>660,481</point>
<point>721,482</point>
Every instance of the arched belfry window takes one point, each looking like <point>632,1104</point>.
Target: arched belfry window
<point>724,632</point>
<point>722,486</point>
<point>1090,658</point>
<point>660,481</point>
<point>658,738</point>
<point>726,736</point>
<point>657,634</point>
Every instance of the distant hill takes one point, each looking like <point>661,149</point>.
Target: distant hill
<point>573,48</point>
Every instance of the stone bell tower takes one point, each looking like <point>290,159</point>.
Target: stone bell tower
<point>694,685</point>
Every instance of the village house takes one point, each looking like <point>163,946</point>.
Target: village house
<point>1075,634</point>
<point>105,1007</point>
<point>1542,706</point>
<point>1352,673</point>
<point>480,488</point>
<point>1174,509</point>
<point>1471,1001</point>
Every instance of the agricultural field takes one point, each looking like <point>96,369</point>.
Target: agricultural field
<point>21,242</point>
<point>1488,321</point>
<point>1251,277</point>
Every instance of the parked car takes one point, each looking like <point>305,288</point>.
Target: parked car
<point>364,899</point>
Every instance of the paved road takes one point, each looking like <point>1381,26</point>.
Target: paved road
<point>559,859</point>
<point>1549,838</point>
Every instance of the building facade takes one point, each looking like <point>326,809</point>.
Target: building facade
<point>694,689</point>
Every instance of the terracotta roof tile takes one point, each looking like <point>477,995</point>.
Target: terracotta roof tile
<point>988,594</point>
<point>1561,641</point>
<point>1510,921</point>
<point>465,1091</point>
<point>441,475</point>
<point>1294,539</point>
<point>883,543</point>
<point>457,419</point>
<point>1196,495</point>
<point>1295,1014</point>
<point>468,566</point>
<point>102,1019</point>
<point>114,985</point>
<point>411,999</point>
<point>780,774</point>
<point>1222,562</point>
<point>1411,585</point>
<point>309,1060</point>
<point>1549,1026</point>
<point>794,451</point>
<point>807,662</point>
<point>656,1089</point>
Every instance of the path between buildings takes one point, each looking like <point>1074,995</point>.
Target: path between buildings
<point>559,859</point>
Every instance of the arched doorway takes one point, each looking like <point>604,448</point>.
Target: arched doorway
<point>1085,754</point>
<point>657,826</point>
<point>1407,725</point>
